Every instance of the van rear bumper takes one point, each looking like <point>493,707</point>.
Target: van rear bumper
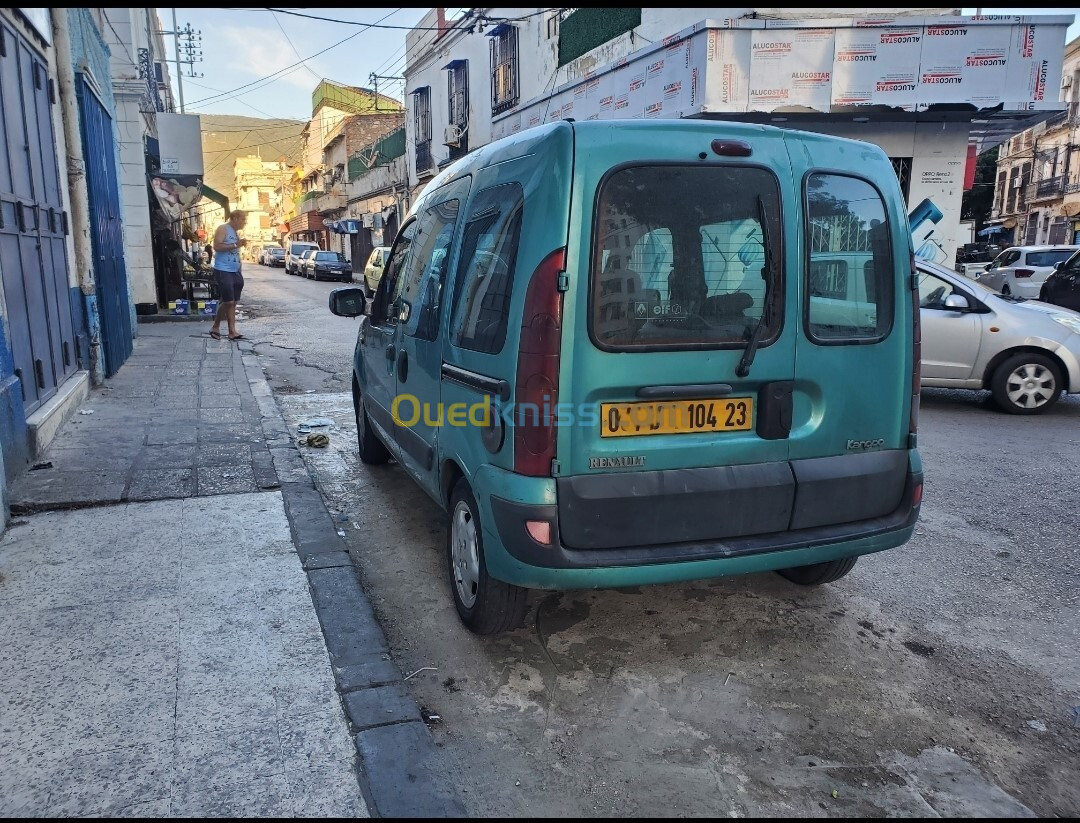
<point>529,563</point>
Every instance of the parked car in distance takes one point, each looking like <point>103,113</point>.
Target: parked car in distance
<point>292,255</point>
<point>1025,352</point>
<point>373,270</point>
<point>1062,287</point>
<point>658,411</point>
<point>327,265</point>
<point>1021,270</point>
<point>301,262</point>
<point>275,257</point>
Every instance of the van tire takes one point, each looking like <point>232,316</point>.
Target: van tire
<point>999,383</point>
<point>498,606</point>
<point>818,573</point>
<point>371,449</point>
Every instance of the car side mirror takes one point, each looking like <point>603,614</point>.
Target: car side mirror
<point>958,302</point>
<point>348,301</point>
<point>1057,265</point>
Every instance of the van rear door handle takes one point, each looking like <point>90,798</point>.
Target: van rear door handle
<point>391,352</point>
<point>701,390</point>
<point>403,365</point>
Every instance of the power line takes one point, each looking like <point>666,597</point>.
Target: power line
<point>375,25</point>
<point>469,13</point>
<point>275,75</point>
<point>293,46</point>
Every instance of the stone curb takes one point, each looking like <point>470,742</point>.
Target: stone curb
<point>398,773</point>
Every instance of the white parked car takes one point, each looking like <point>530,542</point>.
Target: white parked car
<point>1025,352</point>
<point>1021,270</point>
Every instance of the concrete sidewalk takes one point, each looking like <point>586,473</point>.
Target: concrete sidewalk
<point>165,657</point>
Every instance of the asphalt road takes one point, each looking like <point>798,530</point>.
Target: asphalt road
<point>939,678</point>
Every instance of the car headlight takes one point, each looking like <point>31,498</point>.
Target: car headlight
<point>1069,321</point>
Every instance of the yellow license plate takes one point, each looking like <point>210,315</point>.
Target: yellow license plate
<point>676,417</point>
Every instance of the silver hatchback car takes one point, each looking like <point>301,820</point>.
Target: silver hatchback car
<point>1025,352</point>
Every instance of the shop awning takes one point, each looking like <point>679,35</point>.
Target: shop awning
<point>217,197</point>
<point>343,226</point>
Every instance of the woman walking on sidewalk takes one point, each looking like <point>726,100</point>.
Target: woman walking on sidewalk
<point>230,281</point>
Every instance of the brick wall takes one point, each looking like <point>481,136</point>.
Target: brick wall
<point>363,130</point>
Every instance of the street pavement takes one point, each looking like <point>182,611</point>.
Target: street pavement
<point>183,631</point>
<point>939,678</point>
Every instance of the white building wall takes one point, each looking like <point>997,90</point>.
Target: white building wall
<point>125,35</point>
<point>428,54</point>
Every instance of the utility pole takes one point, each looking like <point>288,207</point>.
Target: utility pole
<point>179,74</point>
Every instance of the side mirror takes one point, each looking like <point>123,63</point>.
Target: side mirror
<point>958,302</point>
<point>1057,265</point>
<point>348,301</point>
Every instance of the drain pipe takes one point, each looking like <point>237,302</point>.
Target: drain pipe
<point>77,190</point>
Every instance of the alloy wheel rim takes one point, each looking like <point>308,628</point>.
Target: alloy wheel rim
<point>1030,386</point>
<point>464,556</point>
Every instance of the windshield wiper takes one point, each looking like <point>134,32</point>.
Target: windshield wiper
<point>747,359</point>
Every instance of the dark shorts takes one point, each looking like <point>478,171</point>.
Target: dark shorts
<point>230,284</point>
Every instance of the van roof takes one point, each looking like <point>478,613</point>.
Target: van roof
<point>599,131</point>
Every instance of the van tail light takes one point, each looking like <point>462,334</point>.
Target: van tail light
<point>916,355</point>
<point>1024,272</point>
<point>537,387</point>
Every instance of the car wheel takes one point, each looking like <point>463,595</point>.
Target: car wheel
<point>484,604</point>
<point>818,573</point>
<point>1006,290</point>
<point>372,450</point>
<point>1026,383</point>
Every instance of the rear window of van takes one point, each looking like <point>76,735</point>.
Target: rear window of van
<point>850,276</point>
<point>678,257</point>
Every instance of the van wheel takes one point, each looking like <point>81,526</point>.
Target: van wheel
<point>372,450</point>
<point>484,604</point>
<point>1026,383</point>
<point>817,573</point>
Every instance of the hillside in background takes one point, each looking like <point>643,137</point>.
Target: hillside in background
<point>228,136</point>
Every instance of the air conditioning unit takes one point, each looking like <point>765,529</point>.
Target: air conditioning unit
<point>452,135</point>
<point>1017,181</point>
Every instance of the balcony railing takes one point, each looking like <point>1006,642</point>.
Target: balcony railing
<point>331,202</point>
<point>1050,187</point>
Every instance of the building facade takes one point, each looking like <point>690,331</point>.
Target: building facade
<point>258,183</point>
<point>920,83</point>
<point>343,119</point>
<point>142,90</point>
<point>1037,191</point>
<point>378,195</point>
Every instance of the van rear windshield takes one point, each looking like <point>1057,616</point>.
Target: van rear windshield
<point>678,257</point>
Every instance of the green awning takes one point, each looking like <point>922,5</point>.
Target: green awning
<point>217,197</point>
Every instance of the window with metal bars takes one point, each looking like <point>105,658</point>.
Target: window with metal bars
<point>902,167</point>
<point>457,79</point>
<point>422,127</point>
<point>504,68</point>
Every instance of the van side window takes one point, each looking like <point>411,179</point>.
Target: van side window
<point>420,296</point>
<point>384,307</point>
<point>850,279</point>
<point>678,257</point>
<point>485,274</point>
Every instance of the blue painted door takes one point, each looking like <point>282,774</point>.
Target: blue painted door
<point>33,257</point>
<point>106,228</point>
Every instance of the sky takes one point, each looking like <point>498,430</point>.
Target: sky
<point>241,46</point>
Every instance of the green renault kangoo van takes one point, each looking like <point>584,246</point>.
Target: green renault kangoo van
<point>633,352</point>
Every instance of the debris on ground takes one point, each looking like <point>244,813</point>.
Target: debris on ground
<point>424,669</point>
<point>430,717</point>
<point>1037,725</point>
<point>38,466</point>
<point>313,423</point>
<point>317,440</point>
<point>86,411</point>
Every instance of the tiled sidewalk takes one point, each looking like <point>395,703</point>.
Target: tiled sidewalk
<point>178,420</point>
